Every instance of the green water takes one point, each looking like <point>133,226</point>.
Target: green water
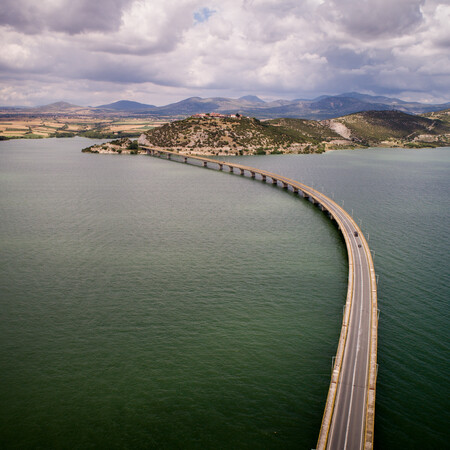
<point>149,304</point>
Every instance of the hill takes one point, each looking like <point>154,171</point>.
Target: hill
<point>443,116</point>
<point>215,134</point>
<point>59,108</point>
<point>313,131</point>
<point>391,128</point>
<point>228,135</point>
<point>127,105</point>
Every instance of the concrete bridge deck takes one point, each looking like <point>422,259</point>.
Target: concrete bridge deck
<point>348,419</point>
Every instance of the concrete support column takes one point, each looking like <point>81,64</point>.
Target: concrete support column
<point>285,185</point>
<point>295,190</point>
<point>252,174</point>
<point>220,166</point>
<point>263,178</point>
<point>185,159</point>
<point>274,181</point>
<point>169,156</point>
<point>231,169</point>
<point>205,164</point>
<point>242,171</point>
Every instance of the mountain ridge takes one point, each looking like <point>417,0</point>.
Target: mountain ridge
<point>320,108</point>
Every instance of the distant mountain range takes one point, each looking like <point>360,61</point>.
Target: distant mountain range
<point>127,105</point>
<point>323,107</point>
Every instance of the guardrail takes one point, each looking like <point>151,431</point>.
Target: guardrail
<point>333,210</point>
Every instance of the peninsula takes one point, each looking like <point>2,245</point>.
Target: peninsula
<point>221,135</point>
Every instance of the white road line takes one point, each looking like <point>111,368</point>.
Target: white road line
<point>356,358</point>
<point>348,232</point>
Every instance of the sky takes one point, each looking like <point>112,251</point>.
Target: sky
<point>92,52</point>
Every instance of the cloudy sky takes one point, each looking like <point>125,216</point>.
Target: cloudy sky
<point>91,52</point>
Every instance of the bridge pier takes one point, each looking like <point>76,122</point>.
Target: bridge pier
<point>185,159</point>
<point>337,422</point>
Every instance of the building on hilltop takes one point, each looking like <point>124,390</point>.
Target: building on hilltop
<point>215,115</point>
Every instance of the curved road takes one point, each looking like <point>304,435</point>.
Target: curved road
<point>348,419</point>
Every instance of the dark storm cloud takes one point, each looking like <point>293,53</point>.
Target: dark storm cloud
<point>345,58</point>
<point>66,16</point>
<point>373,19</point>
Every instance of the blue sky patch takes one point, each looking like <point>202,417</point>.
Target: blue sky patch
<point>203,15</point>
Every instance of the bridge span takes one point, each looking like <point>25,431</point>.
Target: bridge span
<point>348,419</point>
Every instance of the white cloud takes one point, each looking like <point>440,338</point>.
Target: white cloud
<point>161,50</point>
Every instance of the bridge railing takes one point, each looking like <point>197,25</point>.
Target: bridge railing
<point>330,206</point>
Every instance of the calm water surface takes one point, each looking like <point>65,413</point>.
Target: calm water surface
<point>148,304</point>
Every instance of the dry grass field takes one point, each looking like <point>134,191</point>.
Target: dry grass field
<point>44,127</point>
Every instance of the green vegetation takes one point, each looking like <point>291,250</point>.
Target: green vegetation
<point>124,145</point>
<point>133,145</point>
<point>66,134</point>
<point>98,134</point>
<point>89,150</point>
<point>443,116</point>
<point>313,131</point>
<point>374,127</point>
<point>234,135</point>
<point>247,136</point>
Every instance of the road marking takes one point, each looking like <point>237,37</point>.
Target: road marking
<point>356,356</point>
<point>347,226</point>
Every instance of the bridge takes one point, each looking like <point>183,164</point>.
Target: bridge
<point>348,419</point>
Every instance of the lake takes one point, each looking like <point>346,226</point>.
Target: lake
<point>151,304</point>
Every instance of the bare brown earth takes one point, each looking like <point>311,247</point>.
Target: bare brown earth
<point>45,127</point>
